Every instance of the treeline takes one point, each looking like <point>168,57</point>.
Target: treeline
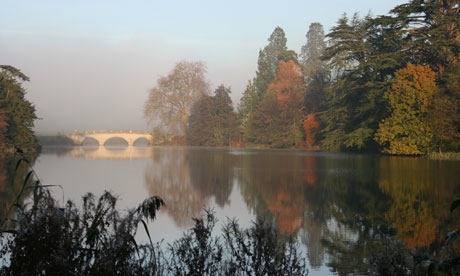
<point>389,83</point>
<point>17,114</point>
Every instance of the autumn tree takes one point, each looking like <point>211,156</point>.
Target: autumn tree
<point>311,129</point>
<point>169,102</point>
<point>407,129</point>
<point>278,119</point>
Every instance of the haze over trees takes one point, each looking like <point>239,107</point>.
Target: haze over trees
<point>169,102</point>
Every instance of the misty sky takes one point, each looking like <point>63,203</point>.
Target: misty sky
<point>92,62</point>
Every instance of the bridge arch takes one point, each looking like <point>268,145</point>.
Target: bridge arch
<point>141,141</point>
<point>90,141</point>
<point>114,139</point>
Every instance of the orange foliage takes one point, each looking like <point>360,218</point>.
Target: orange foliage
<point>287,210</point>
<point>288,82</point>
<point>311,128</point>
<point>310,170</point>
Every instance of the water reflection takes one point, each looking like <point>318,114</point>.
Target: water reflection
<point>11,183</point>
<point>105,152</point>
<point>337,204</point>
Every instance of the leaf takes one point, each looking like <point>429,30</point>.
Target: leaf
<point>131,239</point>
<point>147,230</point>
<point>18,164</point>
<point>27,177</point>
<point>455,204</point>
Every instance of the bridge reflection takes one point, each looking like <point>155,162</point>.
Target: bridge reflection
<point>110,153</point>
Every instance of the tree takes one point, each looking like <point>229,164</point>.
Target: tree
<point>212,120</point>
<point>247,105</point>
<point>18,114</point>
<point>3,130</point>
<point>267,63</point>
<point>169,102</point>
<point>407,129</point>
<point>278,119</point>
<point>315,71</point>
<point>311,128</point>
<point>363,55</point>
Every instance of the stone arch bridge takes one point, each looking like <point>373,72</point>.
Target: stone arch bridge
<point>101,136</point>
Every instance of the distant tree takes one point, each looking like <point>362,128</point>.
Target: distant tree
<point>407,129</point>
<point>267,63</point>
<point>315,70</point>
<point>18,114</point>
<point>247,105</point>
<point>169,102</point>
<point>213,121</point>
<point>310,56</point>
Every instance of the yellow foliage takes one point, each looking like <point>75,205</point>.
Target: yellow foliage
<point>407,131</point>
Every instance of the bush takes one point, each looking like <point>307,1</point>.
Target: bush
<point>99,240</point>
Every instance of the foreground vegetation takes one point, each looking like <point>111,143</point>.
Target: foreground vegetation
<point>49,239</point>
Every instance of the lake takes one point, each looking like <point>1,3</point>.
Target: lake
<point>335,203</point>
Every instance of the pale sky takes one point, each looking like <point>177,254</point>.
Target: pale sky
<point>92,62</point>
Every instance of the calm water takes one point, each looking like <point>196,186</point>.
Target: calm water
<point>334,203</point>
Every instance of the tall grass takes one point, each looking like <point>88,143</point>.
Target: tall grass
<point>99,240</point>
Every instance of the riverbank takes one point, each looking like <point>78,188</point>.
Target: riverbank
<point>444,155</point>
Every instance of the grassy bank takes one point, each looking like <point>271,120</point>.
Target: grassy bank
<point>444,155</point>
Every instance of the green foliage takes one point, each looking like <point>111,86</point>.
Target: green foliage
<point>407,130</point>
<point>247,105</point>
<point>213,121</point>
<point>363,54</point>
<point>17,114</point>
<point>316,74</point>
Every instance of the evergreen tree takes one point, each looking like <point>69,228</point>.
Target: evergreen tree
<point>18,114</point>
<point>213,121</point>
<point>363,54</point>
<point>268,60</point>
<point>247,105</point>
<point>315,71</point>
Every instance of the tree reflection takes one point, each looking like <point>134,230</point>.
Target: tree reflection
<point>187,179</point>
<point>11,182</point>
<point>421,191</point>
<point>283,187</point>
<point>339,205</point>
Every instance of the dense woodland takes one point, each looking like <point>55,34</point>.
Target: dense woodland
<point>388,83</point>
